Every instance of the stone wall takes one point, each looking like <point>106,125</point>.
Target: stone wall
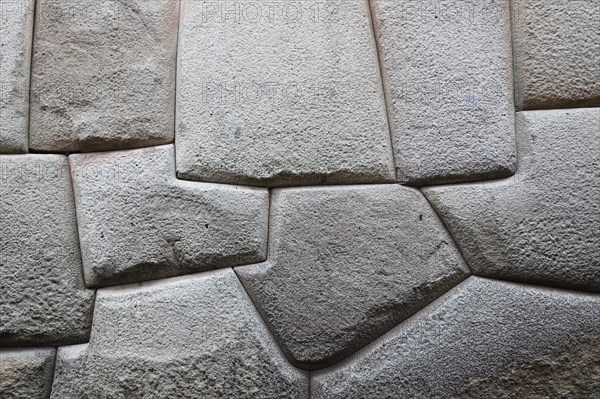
<point>294,199</point>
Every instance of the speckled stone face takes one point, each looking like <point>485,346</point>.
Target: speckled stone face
<point>265,199</point>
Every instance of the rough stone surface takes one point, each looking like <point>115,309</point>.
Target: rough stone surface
<point>280,93</point>
<point>138,222</point>
<point>103,74</point>
<point>188,337</point>
<point>347,264</point>
<point>43,300</point>
<point>542,224</point>
<point>16,29</point>
<point>26,373</point>
<point>447,69</point>
<point>557,53</point>
<point>486,339</point>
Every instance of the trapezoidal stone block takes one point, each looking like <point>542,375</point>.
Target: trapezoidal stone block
<point>280,94</point>
<point>16,31</point>
<point>26,373</point>
<point>557,53</point>
<point>346,264</point>
<point>447,71</point>
<point>485,339</point>
<point>103,74</point>
<point>43,299</point>
<point>187,337</point>
<point>138,222</point>
<point>541,225</point>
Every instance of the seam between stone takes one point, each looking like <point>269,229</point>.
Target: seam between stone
<point>383,89</point>
<point>33,18</point>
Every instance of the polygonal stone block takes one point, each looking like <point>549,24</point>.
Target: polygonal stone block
<point>26,373</point>
<point>447,71</point>
<point>43,300</point>
<point>542,224</point>
<point>138,222</point>
<point>557,53</point>
<point>485,339</point>
<point>103,74</point>
<point>16,31</point>
<point>187,337</point>
<point>346,264</point>
<point>280,93</point>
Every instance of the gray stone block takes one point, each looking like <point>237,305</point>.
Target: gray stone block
<point>557,53</point>
<point>485,339</point>
<point>447,70</point>
<point>103,74</point>
<point>26,373</point>
<point>346,264</point>
<point>542,224</point>
<point>187,337</point>
<point>138,222</point>
<point>16,31</point>
<point>280,94</point>
<point>43,299</point>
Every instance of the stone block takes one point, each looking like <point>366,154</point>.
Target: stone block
<point>447,71</point>
<point>280,94</point>
<point>557,53</point>
<point>485,339</point>
<point>541,225</point>
<point>26,373</point>
<point>346,264</point>
<point>187,337</point>
<point>43,299</point>
<point>103,74</point>
<point>16,31</point>
<point>138,222</point>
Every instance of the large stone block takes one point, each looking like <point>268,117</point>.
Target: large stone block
<point>138,222</point>
<point>557,53</point>
<point>26,373</point>
<point>346,264</point>
<point>43,300</point>
<point>187,337</point>
<point>447,70</point>
<point>280,93</point>
<point>16,31</point>
<point>542,224</point>
<point>485,339</point>
<point>103,74</point>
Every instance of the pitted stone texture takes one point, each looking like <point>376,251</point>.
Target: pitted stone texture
<point>26,373</point>
<point>346,264</point>
<point>43,300</point>
<point>16,31</point>
<point>138,222</point>
<point>447,71</point>
<point>557,53</point>
<point>103,74</point>
<point>542,224</point>
<point>280,94</point>
<point>486,339</point>
<point>188,337</point>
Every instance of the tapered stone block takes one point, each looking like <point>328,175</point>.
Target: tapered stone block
<point>188,337</point>
<point>542,224</point>
<point>16,31</point>
<point>347,264</point>
<point>557,53</point>
<point>103,74</point>
<point>447,70</point>
<point>26,373</point>
<point>280,93</point>
<point>485,339</point>
<point>43,300</point>
<point>138,222</point>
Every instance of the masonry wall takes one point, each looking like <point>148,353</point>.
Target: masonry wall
<point>294,199</point>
